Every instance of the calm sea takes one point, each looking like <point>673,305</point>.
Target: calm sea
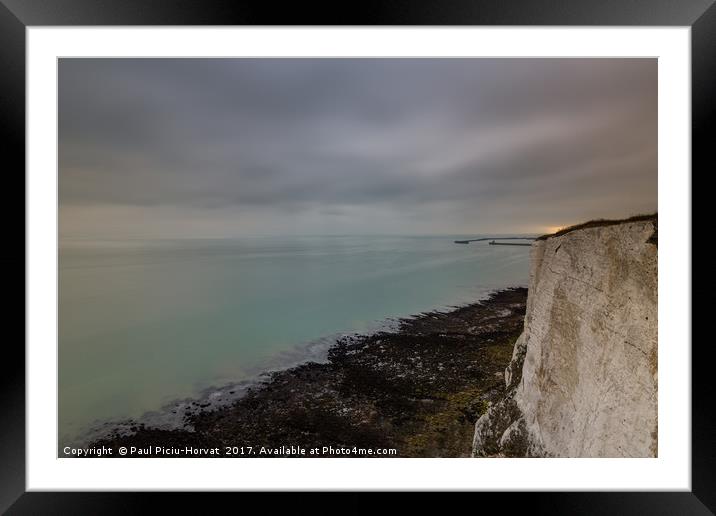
<point>143,323</point>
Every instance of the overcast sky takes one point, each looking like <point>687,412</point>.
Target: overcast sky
<point>230,147</point>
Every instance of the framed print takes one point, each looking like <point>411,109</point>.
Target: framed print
<point>411,249</point>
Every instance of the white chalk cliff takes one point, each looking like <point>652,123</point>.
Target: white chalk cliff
<point>583,377</point>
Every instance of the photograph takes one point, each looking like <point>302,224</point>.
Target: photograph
<point>357,257</point>
<point>404,247</point>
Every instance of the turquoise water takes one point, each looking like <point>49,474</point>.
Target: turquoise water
<point>142,323</point>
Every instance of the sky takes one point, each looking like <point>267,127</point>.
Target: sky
<point>214,148</point>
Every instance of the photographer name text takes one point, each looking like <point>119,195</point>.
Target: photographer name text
<point>227,451</point>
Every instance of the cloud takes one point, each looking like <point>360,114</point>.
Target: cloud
<point>242,144</point>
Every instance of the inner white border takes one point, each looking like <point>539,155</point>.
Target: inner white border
<point>671,470</point>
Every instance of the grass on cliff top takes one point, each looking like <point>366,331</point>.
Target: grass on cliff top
<point>596,223</point>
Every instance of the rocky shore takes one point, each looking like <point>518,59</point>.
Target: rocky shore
<point>418,390</point>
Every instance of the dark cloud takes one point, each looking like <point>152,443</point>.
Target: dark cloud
<point>456,142</point>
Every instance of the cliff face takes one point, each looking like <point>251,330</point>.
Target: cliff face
<point>583,377</point>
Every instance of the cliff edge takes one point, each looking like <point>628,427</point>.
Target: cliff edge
<point>582,381</point>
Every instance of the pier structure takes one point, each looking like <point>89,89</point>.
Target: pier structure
<point>494,240</point>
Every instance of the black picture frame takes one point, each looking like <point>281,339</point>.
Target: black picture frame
<point>17,15</point>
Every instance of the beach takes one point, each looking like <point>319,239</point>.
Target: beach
<point>415,391</point>
<point>147,328</point>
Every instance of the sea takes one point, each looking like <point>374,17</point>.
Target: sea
<point>148,327</point>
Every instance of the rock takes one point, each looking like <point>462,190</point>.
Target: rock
<point>515,440</point>
<point>583,377</point>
